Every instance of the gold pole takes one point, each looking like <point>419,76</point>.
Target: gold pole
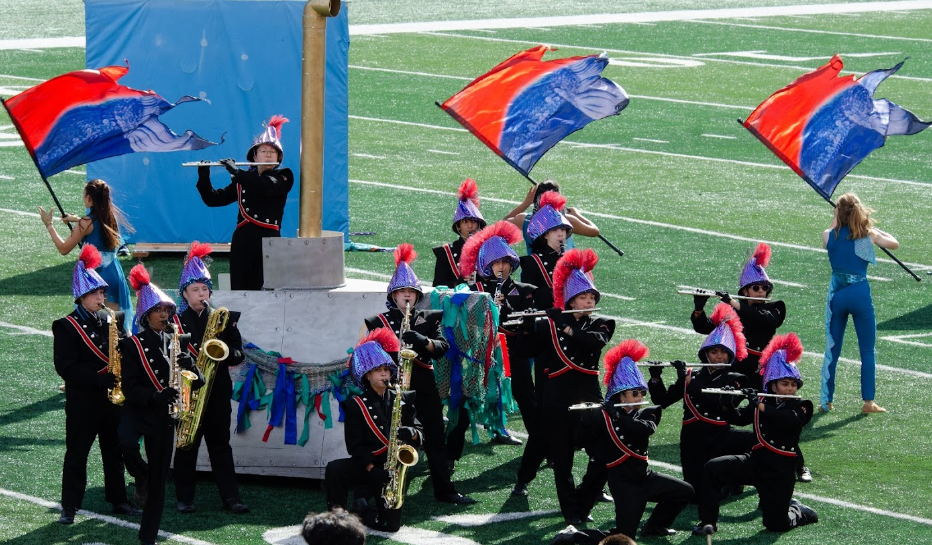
<point>312,114</point>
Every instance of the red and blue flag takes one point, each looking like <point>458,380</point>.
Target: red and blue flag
<point>524,106</point>
<point>823,125</point>
<point>86,115</point>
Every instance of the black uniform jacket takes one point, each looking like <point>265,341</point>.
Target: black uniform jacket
<point>260,197</point>
<point>560,353</point>
<point>447,267</point>
<point>622,441</point>
<point>777,427</point>
<point>146,371</point>
<point>193,323</point>
<point>537,270</point>
<point>81,347</point>
<point>425,322</point>
<point>519,297</point>
<point>760,323</point>
<point>699,409</point>
<point>366,423</point>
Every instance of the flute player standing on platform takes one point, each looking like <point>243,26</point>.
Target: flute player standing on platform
<point>260,194</point>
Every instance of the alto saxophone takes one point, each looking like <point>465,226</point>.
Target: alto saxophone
<point>400,455</point>
<point>179,379</point>
<point>212,351</point>
<point>115,394</point>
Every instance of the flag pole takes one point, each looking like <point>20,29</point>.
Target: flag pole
<point>820,191</point>
<point>36,162</point>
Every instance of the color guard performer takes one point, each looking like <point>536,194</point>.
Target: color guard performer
<point>366,425</point>
<point>467,221</point>
<point>425,338</point>
<point>260,194</point>
<point>147,384</point>
<point>520,218</point>
<point>195,288</point>
<point>82,358</point>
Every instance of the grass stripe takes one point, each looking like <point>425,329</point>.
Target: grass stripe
<point>811,31</point>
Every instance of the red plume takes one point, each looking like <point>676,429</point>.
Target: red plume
<point>789,342</point>
<point>469,190</point>
<point>90,256</point>
<point>571,260</point>
<point>404,253</point>
<point>139,277</point>
<point>762,255</point>
<point>470,254</point>
<point>632,348</point>
<point>726,313</point>
<point>385,337</point>
<point>276,122</point>
<point>554,199</point>
<point>199,250</point>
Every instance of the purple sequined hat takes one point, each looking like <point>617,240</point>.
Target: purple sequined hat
<point>778,360</point>
<point>85,279</point>
<point>721,336</point>
<point>468,205</point>
<point>194,270</point>
<point>579,282</point>
<point>728,334</point>
<point>572,276</point>
<point>373,352</point>
<point>548,216</point>
<point>621,371</point>
<point>148,295</point>
<point>753,272</point>
<point>488,246</point>
<point>272,135</point>
<point>494,249</point>
<point>404,276</point>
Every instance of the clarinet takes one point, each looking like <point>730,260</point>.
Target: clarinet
<point>562,247</point>
<point>498,287</point>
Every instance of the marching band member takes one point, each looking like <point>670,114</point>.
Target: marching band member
<point>81,355</point>
<point>771,465</point>
<point>548,229</point>
<point>260,194</point>
<point>520,218</point>
<point>567,348</point>
<point>849,241</point>
<point>620,439</point>
<point>147,384</point>
<point>366,425</point>
<point>196,288</point>
<point>490,256</point>
<point>425,338</point>
<point>467,221</point>
<point>706,431</point>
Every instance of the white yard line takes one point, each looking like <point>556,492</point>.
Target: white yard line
<point>24,330</point>
<point>813,31</point>
<point>651,140</point>
<point>722,136</point>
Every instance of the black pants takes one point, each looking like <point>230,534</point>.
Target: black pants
<point>631,496</point>
<point>215,431</point>
<point>537,445</point>
<point>89,415</point>
<point>522,389</point>
<point>430,414</point>
<point>159,441</point>
<point>774,481</point>
<point>344,475</point>
<point>456,439</point>
<point>699,443</point>
<point>246,256</point>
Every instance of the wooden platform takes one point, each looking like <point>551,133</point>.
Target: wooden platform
<point>143,249</point>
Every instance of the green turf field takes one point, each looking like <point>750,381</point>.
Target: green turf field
<point>674,181</point>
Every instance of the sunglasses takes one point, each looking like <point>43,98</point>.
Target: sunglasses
<point>757,287</point>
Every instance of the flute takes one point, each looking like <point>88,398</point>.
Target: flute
<point>670,364</point>
<point>519,316</point>
<point>217,164</point>
<point>590,405</point>
<point>685,290</point>
<point>740,393</point>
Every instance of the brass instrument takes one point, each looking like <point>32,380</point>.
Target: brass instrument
<point>179,379</point>
<point>212,351</point>
<point>115,394</point>
<point>400,455</point>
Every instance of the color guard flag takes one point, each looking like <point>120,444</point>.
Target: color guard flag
<point>524,106</point>
<point>823,125</point>
<point>86,115</point>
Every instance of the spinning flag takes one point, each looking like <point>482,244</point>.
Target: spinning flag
<point>524,106</point>
<point>86,115</point>
<point>823,125</point>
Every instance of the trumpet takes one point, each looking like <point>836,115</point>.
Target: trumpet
<point>648,363</point>
<point>740,393</point>
<point>590,405</point>
<point>518,317</point>
<point>686,290</point>
<point>218,164</point>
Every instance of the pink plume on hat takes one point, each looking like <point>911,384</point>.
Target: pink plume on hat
<point>385,337</point>
<point>139,277</point>
<point>469,191</point>
<point>575,259</point>
<point>554,199</point>
<point>199,250</point>
<point>762,255</point>
<point>470,254</point>
<point>404,253</point>
<point>276,123</point>
<point>725,313</point>
<point>632,348</point>
<point>90,256</point>
<point>790,343</point>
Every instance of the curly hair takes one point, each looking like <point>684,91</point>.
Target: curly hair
<point>336,527</point>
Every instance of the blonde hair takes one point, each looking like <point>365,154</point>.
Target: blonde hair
<point>850,211</point>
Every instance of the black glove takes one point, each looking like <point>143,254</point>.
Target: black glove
<point>724,296</point>
<point>656,371</point>
<point>378,475</point>
<point>106,380</point>
<point>415,339</point>
<point>230,165</point>
<point>554,313</point>
<point>680,367</point>
<point>203,171</point>
<point>527,323</point>
<point>186,362</point>
<point>699,302</point>
<point>406,434</point>
<point>610,408</point>
<point>231,336</point>
<point>166,396</point>
<point>752,396</point>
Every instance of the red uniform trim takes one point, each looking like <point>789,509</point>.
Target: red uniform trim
<point>191,349</point>
<point>543,270</point>
<point>146,366</point>
<point>765,444</point>
<point>375,429</point>
<point>90,344</point>
<point>246,217</point>
<point>692,408</point>
<point>454,266</point>
<point>569,364</point>
<point>628,453</point>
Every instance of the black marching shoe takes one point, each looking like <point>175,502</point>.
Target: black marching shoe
<point>704,529</point>
<point>456,498</point>
<point>804,475</point>
<point>648,531</point>
<point>605,497</point>
<point>186,508</point>
<point>235,506</point>
<point>504,439</point>
<point>808,514</point>
<point>520,489</point>
<point>126,508</point>
<point>67,515</point>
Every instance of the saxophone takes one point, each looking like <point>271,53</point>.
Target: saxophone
<point>115,394</point>
<point>179,379</point>
<point>213,350</point>
<point>400,455</point>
